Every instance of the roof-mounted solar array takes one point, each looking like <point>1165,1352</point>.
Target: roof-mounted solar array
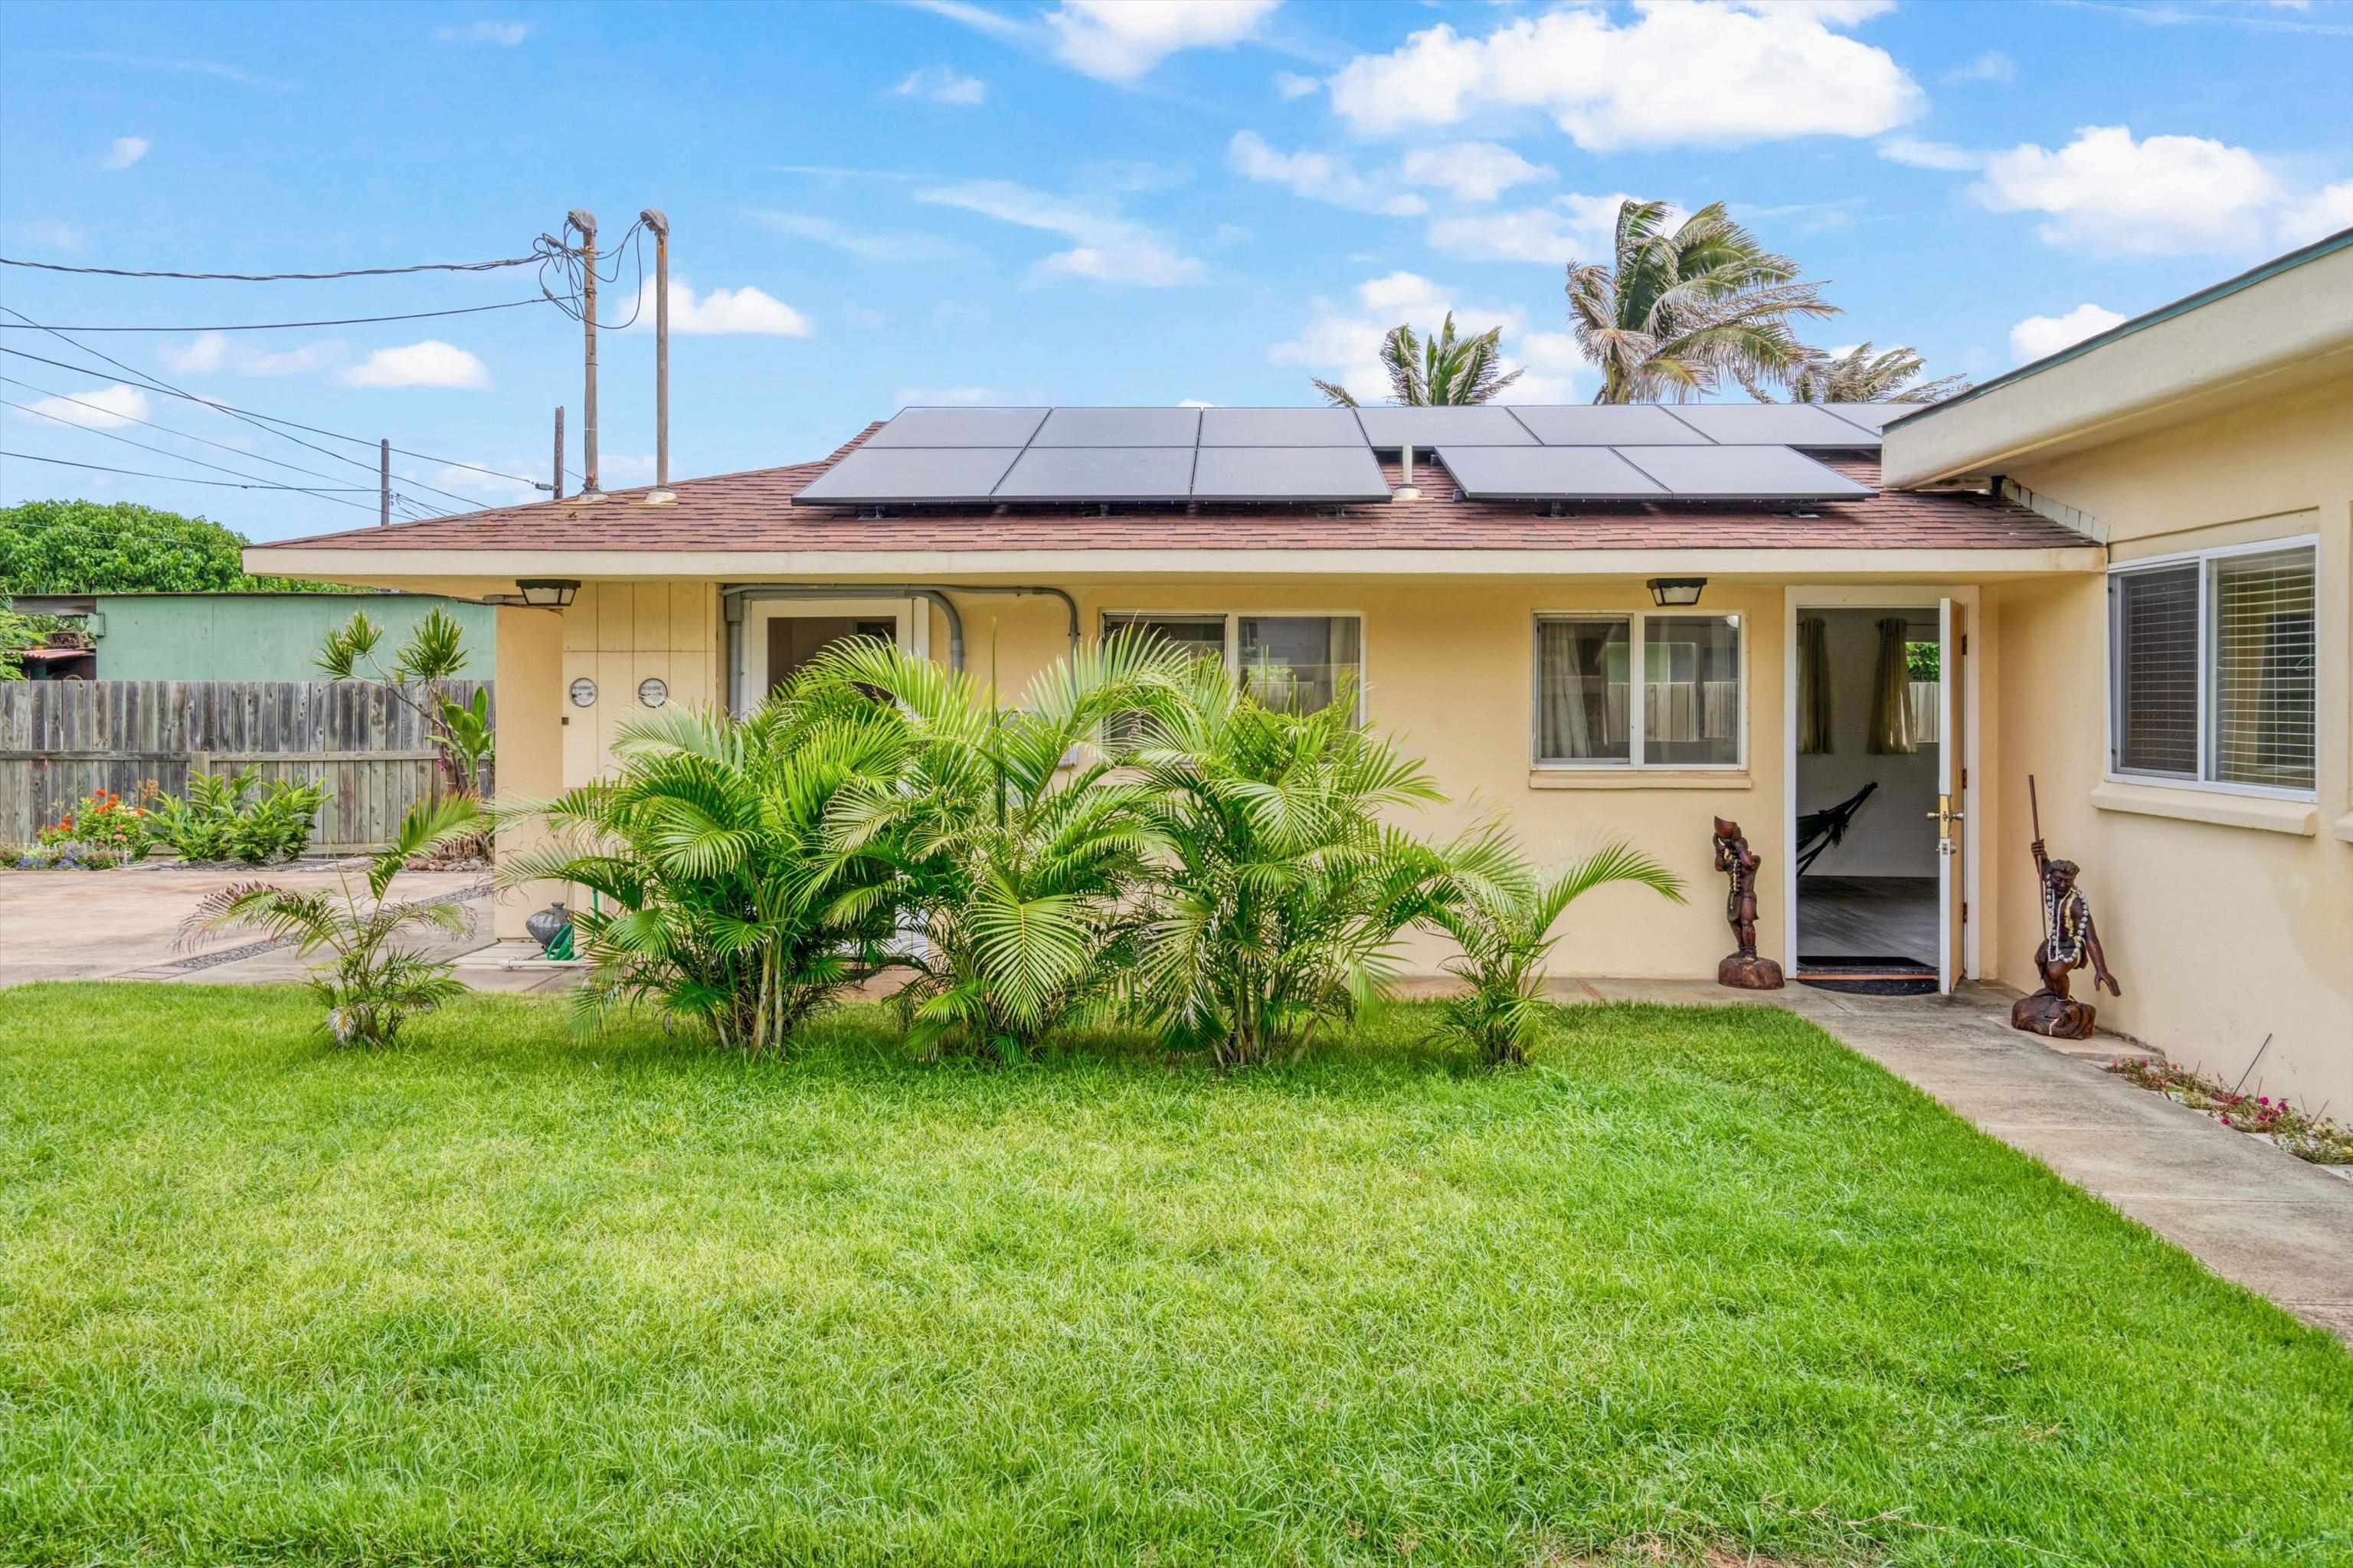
<point>1046,456</point>
<point>1873,417</point>
<point>1644,473</point>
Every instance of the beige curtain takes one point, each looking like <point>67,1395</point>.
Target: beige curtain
<point>1892,733</point>
<point>1813,686</point>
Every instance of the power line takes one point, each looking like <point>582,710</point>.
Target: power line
<point>284,277</point>
<point>183,435</point>
<point>249,417</point>
<point>179,478</point>
<point>280,326</point>
<point>166,451</point>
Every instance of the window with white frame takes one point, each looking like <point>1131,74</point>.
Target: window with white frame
<point>1676,705</point>
<point>2213,668</point>
<point>1294,661</point>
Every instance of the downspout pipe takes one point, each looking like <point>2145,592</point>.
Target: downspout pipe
<point>736,595</point>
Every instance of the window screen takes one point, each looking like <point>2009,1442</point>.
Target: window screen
<point>1691,690</point>
<point>2154,640</point>
<point>2264,662</point>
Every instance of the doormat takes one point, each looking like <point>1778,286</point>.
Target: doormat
<point>1867,976</point>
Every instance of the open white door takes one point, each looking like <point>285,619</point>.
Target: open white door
<point>1950,773</point>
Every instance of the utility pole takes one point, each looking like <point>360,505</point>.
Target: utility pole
<point>658,221</point>
<point>557,490</point>
<point>585,222</point>
<point>383,482</point>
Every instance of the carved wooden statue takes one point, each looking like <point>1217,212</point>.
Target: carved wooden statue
<point>1743,968</point>
<point>2070,941</point>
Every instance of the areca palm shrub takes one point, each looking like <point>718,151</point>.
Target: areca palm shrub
<point>1502,915</point>
<point>717,894</point>
<point>1008,837</point>
<point>1440,368</point>
<point>1281,890</point>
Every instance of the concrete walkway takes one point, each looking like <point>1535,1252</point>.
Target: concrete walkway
<point>2252,1213</point>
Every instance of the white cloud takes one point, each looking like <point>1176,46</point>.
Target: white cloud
<point>868,245</point>
<point>979,18</point>
<point>1110,248</point>
<point>1319,176</point>
<point>1569,227</point>
<point>941,84</point>
<point>1119,41</point>
<point>1194,403</point>
<point>1992,66</point>
<point>1341,342</point>
<point>744,312</point>
<point>1706,72</point>
<point>98,408</point>
<point>126,151</point>
<point>505,35</point>
<point>1914,154</point>
<point>2320,215</point>
<point>2037,336</point>
<point>1291,84</point>
<point>213,351</point>
<point>428,363</point>
<point>50,233</point>
<point>2166,194</point>
<point>1473,171</point>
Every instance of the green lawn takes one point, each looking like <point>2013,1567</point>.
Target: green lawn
<point>513,1295</point>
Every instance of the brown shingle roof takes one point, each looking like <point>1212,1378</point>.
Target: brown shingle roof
<point>750,511</point>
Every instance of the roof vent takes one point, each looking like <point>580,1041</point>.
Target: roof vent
<point>660,495</point>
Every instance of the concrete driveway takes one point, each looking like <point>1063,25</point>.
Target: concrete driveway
<point>98,925</point>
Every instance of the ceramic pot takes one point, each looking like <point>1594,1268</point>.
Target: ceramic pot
<point>544,925</point>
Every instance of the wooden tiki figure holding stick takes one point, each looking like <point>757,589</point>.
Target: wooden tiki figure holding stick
<point>2070,942</point>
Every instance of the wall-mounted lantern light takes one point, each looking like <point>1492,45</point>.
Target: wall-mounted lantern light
<point>548,593</point>
<point>1667,591</point>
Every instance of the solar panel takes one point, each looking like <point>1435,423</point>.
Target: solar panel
<point>1281,428</point>
<point>1873,416</point>
<point>1606,424</point>
<point>1097,474</point>
<point>1119,428</point>
<point>1484,426</point>
<point>909,473</point>
<point>958,428</point>
<point>1774,424</point>
<point>1302,474</point>
<point>1546,473</point>
<point>1742,474</point>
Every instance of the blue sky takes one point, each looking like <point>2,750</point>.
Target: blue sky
<point>1002,200</point>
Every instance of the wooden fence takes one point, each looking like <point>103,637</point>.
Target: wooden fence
<point>61,739</point>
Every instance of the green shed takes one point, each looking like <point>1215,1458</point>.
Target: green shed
<point>261,636</point>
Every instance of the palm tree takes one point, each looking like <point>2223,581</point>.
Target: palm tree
<point>1677,313</point>
<point>1440,368</point>
<point>1858,376</point>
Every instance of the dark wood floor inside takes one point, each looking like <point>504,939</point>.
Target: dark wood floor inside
<point>1873,916</point>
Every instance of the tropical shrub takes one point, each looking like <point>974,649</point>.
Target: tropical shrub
<point>434,653</point>
<point>222,818</point>
<point>1502,918</point>
<point>105,820</point>
<point>1007,836</point>
<point>374,984</point>
<point>719,896</point>
<point>1282,892</point>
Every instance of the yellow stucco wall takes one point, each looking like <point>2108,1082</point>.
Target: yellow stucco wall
<point>2226,929</point>
<point>1448,670</point>
<point>531,750</point>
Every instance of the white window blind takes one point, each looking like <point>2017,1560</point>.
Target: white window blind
<point>2265,662</point>
<point>2155,649</point>
<point>2213,665</point>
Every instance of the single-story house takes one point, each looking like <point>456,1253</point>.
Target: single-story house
<point>2122,570</point>
<point>241,636</point>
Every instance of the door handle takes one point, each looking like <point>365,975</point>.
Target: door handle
<point>1945,816</point>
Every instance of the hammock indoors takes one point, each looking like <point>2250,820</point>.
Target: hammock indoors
<point>1818,830</point>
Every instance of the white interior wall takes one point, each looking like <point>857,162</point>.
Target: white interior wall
<point>1892,836</point>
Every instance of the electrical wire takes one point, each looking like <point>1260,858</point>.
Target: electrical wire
<point>556,255</point>
<point>283,277</point>
<point>183,435</point>
<point>280,326</point>
<point>179,478</point>
<point>166,451</point>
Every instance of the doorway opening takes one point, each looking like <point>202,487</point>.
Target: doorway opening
<point>782,634</point>
<point>1870,768</point>
<point>795,639</point>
